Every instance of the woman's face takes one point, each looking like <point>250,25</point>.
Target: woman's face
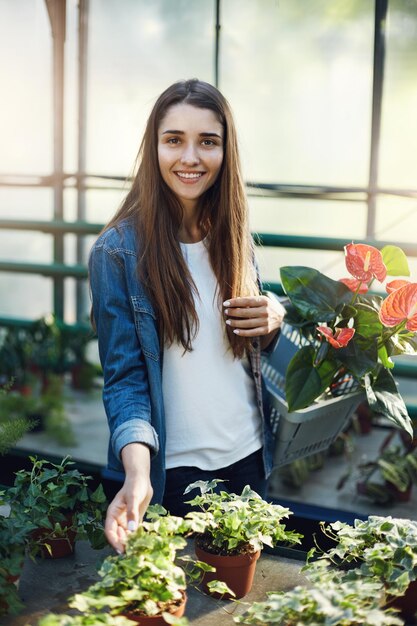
<point>190,151</point>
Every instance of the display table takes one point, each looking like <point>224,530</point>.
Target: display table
<point>46,585</point>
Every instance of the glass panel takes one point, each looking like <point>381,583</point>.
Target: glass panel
<point>300,85</point>
<point>26,203</point>
<point>399,120</point>
<point>397,222</point>
<point>152,45</point>
<point>29,246</point>
<point>31,295</point>
<point>26,80</point>
<point>271,259</point>
<point>102,204</point>
<point>315,218</point>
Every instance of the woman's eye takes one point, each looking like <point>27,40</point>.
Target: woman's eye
<point>173,140</point>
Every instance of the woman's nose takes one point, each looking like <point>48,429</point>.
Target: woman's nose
<point>190,155</point>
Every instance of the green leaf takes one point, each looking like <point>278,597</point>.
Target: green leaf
<point>302,381</point>
<point>314,295</point>
<point>384,398</point>
<point>395,261</point>
<point>367,322</point>
<point>359,356</point>
<point>220,587</point>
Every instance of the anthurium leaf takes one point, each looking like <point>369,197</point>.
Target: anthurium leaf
<point>302,381</point>
<point>384,399</point>
<point>314,295</point>
<point>367,322</point>
<point>346,311</point>
<point>327,370</point>
<point>360,355</point>
<point>395,261</point>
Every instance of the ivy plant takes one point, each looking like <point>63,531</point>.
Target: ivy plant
<point>231,524</point>
<point>347,603</point>
<point>48,496</point>
<point>145,580</point>
<point>384,548</point>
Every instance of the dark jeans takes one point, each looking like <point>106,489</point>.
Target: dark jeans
<point>247,471</point>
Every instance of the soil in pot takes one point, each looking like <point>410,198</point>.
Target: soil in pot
<point>236,571</point>
<point>59,546</point>
<point>157,620</point>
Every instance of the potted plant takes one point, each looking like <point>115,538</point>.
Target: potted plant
<point>144,584</point>
<point>55,504</point>
<point>12,425</point>
<point>396,468</point>
<point>12,555</point>
<point>347,603</point>
<point>348,332</point>
<point>75,342</point>
<point>383,548</point>
<point>233,530</point>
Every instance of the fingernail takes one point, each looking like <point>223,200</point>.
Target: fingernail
<point>119,552</point>
<point>236,331</point>
<point>132,526</point>
<point>228,322</point>
<point>227,303</point>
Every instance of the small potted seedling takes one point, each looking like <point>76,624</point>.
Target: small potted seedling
<point>235,529</point>
<point>55,505</point>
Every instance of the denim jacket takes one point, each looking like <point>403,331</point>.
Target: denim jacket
<point>131,355</point>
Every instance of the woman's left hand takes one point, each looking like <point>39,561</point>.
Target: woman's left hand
<point>254,316</point>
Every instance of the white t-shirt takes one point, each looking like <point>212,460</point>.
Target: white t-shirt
<point>212,418</point>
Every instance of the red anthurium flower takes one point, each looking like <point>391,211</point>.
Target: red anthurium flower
<point>340,338</point>
<point>353,284</point>
<point>396,284</point>
<point>399,306</point>
<point>364,262</point>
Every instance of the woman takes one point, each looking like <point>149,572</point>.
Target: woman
<point>180,317</point>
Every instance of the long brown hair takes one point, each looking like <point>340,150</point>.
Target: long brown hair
<point>158,214</point>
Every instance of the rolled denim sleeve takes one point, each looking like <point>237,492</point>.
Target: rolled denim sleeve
<point>126,389</point>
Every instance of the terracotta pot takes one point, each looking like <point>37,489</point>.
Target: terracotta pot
<point>156,620</point>
<point>407,604</point>
<point>236,571</point>
<point>60,546</point>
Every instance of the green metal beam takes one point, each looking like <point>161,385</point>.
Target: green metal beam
<point>52,227</point>
<point>53,270</point>
<point>323,243</point>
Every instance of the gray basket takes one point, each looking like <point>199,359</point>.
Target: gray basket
<point>306,431</point>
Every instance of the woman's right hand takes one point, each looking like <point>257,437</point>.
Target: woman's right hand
<point>129,505</point>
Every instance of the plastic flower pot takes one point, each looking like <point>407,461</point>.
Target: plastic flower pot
<point>236,571</point>
<point>156,620</point>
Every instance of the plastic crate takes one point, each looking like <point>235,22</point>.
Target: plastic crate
<point>306,431</point>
